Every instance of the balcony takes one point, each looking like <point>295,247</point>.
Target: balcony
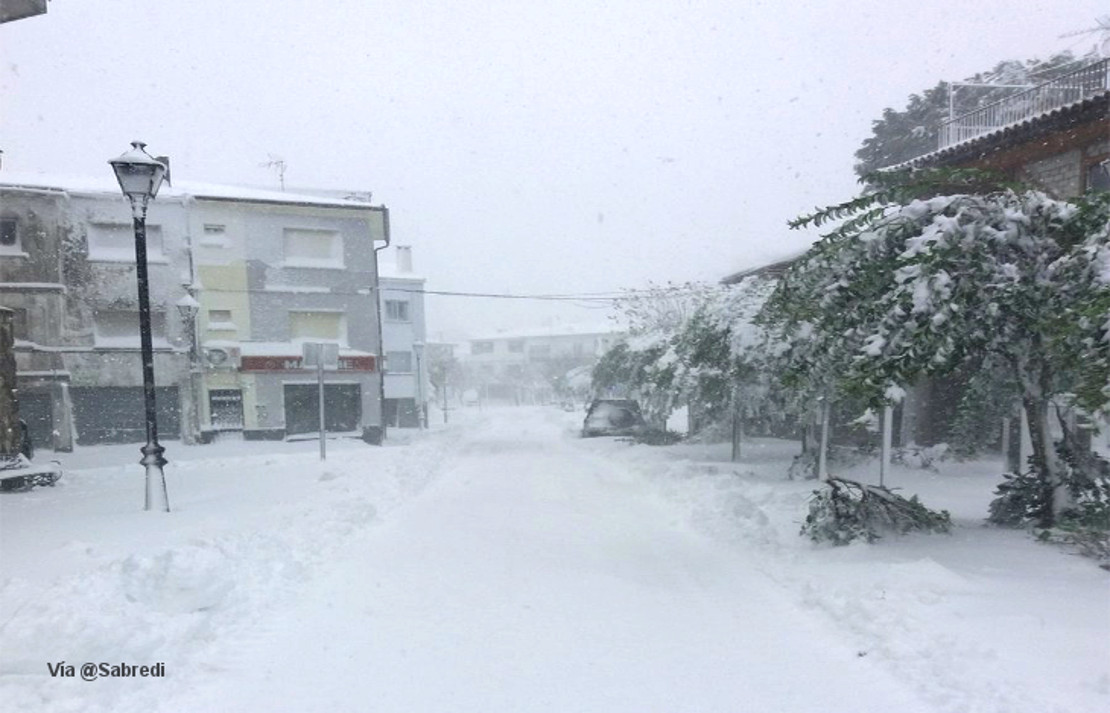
<point>1084,83</point>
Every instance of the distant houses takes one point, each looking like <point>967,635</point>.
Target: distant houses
<point>538,365</point>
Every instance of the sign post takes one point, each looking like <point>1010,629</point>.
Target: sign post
<point>322,356</point>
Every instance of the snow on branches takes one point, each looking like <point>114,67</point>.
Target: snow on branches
<point>689,344</point>
<point>905,290</point>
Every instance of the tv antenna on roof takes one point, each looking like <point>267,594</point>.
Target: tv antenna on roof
<point>278,164</point>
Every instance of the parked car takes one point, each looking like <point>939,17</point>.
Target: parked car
<point>613,417</point>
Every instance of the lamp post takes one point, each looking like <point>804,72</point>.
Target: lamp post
<point>188,308</point>
<point>140,176</point>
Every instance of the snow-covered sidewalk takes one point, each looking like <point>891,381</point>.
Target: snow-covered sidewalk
<point>504,564</point>
<point>87,576</point>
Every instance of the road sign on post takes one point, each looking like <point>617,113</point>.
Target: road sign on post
<point>324,357</point>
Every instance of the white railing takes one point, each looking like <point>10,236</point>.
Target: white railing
<point>1065,89</point>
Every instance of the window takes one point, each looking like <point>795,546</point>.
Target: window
<point>516,346</point>
<point>397,310</point>
<point>399,362</point>
<point>226,409</point>
<point>1098,176</point>
<point>220,319</point>
<point>313,248</point>
<point>120,328</point>
<point>115,242</point>
<point>539,351</point>
<point>318,326</point>
<point>9,236</point>
<point>215,235</point>
<point>481,348</point>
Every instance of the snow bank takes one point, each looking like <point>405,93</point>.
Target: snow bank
<point>107,582</point>
<point>973,620</point>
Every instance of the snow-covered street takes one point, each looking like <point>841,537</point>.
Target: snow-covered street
<point>503,564</point>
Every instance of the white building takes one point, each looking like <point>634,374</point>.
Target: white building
<point>404,335</point>
<point>270,270</point>
<point>535,365</point>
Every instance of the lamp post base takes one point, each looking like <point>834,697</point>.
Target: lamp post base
<point>157,496</point>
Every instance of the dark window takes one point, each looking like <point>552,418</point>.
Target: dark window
<point>397,310</point>
<point>516,346</point>
<point>481,347</point>
<point>9,232</point>
<point>226,408</point>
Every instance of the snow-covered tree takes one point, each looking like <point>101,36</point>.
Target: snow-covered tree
<point>909,287</point>
<point>694,345</point>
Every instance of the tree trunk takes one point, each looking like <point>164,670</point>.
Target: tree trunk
<point>1046,464</point>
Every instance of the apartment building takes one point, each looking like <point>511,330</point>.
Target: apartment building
<point>269,270</point>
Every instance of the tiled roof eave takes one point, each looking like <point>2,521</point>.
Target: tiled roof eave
<point>1031,126</point>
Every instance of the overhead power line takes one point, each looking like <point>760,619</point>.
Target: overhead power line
<point>585,297</point>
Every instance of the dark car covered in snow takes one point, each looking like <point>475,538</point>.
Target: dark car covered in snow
<point>613,417</point>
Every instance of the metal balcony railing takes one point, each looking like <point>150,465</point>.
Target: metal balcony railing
<point>1065,89</point>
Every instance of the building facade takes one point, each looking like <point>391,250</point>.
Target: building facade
<point>268,270</point>
<point>67,269</point>
<point>404,334</point>
<point>1055,136</point>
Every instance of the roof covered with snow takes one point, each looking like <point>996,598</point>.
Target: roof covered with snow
<point>182,190</point>
<point>771,269</point>
<point>1096,106</point>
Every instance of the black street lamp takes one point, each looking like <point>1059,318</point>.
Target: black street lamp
<point>140,176</point>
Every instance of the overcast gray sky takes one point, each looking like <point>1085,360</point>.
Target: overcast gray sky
<point>566,146</point>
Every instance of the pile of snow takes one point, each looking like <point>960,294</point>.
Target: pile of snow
<point>88,576</point>
<point>975,620</point>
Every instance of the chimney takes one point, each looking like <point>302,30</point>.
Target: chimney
<point>404,258</point>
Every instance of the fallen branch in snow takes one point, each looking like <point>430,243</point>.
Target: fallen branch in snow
<point>846,510</point>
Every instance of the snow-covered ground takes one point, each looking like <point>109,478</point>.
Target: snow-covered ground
<point>502,564</point>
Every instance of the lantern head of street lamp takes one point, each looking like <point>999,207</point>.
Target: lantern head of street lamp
<point>188,307</point>
<point>139,174</point>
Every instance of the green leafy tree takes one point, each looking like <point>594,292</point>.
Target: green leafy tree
<point>916,282</point>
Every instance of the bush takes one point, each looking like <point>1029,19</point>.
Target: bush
<point>1022,498</point>
<point>1093,542</point>
<point>845,511</point>
<point>1026,499</point>
<point>656,437</point>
